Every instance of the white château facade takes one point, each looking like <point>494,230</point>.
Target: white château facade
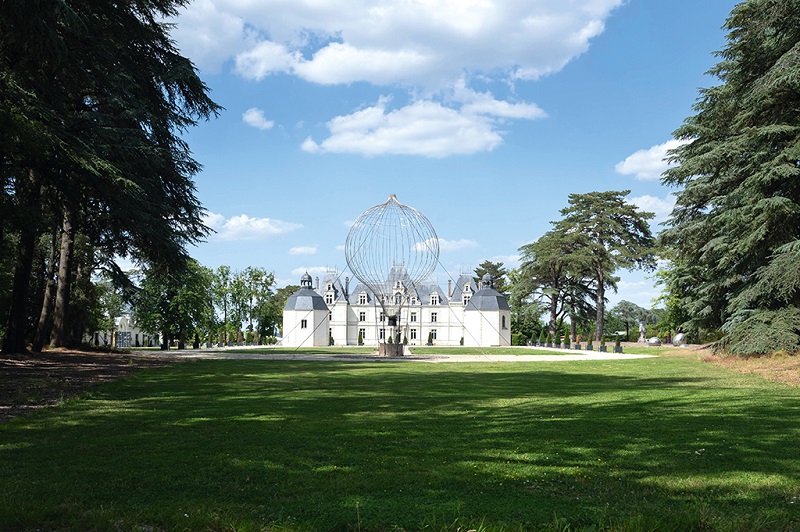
<point>464,314</point>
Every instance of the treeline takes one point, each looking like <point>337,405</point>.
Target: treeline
<point>95,96</point>
<point>222,306</point>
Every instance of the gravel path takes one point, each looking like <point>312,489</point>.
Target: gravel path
<point>527,356</point>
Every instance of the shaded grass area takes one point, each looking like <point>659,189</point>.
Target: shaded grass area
<point>668,443</point>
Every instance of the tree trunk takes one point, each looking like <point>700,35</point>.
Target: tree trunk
<point>14,341</point>
<point>58,335</point>
<point>553,315</point>
<point>601,304</point>
<point>573,329</point>
<point>43,327</point>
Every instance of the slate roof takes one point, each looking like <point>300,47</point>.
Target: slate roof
<point>487,298</point>
<point>305,299</point>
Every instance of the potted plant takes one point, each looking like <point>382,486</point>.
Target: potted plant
<point>541,338</point>
<point>430,338</point>
<point>360,338</point>
<point>589,346</point>
<point>566,342</point>
<point>617,346</point>
<point>405,340</point>
<point>602,345</point>
<point>549,340</point>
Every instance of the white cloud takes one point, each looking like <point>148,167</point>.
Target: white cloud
<point>423,128</point>
<point>429,47</point>
<point>255,117</point>
<point>303,250</point>
<point>648,164</point>
<point>340,247</point>
<point>662,207</point>
<point>420,42</point>
<point>243,227</point>
<point>449,245</point>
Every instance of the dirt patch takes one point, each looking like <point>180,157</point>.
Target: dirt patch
<point>781,368</point>
<point>36,380</point>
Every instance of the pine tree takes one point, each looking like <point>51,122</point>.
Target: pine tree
<point>735,229</point>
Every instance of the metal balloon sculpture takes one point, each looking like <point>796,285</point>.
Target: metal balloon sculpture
<point>392,248</point>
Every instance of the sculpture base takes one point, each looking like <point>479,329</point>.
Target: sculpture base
<point>390,350</point>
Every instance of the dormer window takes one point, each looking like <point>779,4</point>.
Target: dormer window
<point>329,299</point>
<point>467,287</point>
<point>330,286</point>
<point>362,299</point>
<point>398,299</point>
<point>434,299</point>
<point>414,300</point>
<point>465,299</point>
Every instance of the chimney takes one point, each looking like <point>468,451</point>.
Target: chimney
<point>316,282</point>
<point>449,288</point>
<point>346,287</point>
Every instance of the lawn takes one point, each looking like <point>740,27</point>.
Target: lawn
<point>668,443</point>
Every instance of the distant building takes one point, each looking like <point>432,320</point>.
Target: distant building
<point>126,334</point>
<point>464,314</point>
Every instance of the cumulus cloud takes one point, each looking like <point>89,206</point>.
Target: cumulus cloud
<point>650,163</point>
<point>509,261</point>
<point>422,42</point>
<point>423,128</point>
<point>662,207</point>
<point>303,250</point>
<point>255,117</point>
<point>429,47</point>
<point>243,227</point>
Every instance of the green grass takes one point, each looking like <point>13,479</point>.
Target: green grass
<point>344,350</point>
<point>651,444</point>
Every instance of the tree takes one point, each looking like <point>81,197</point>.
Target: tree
<point>735,228</point>
<point>90,130</point>
<point>630,313</point>
<point>497,271</point>
<point>608,234</point>
<point>176,303</point>
<point>551,274</point>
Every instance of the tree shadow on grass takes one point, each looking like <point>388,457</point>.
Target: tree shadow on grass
<point>301,444</point>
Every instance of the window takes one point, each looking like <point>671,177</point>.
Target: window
<point>434,299</point>
<point>398,298</point>
<point>362,299</point>
<point>414,300</point>
<point>329,299</point>
<point>382,334</point>
<point>362,316</point>
<point>413,316</point>
<point>363,333</point>
<point>383,316</point>
<point>330,315</point>
<point>413,334</point>
<point>304,324</point>
<point>434,317</point>
<point>467,287</point>
<point>503,322</point>
<point>466,299</point>
<point>330,286</point>
<point>433,334</point>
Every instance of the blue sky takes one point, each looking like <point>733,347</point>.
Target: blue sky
<point>484,115</point>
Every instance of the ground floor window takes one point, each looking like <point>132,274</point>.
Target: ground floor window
<point>304,324</point>
<point>363,334</point>
<point>413,334</point>
<point>382,334</point>
<point>433,334</point>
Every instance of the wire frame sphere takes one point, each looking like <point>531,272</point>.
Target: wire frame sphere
<point>388,243</point>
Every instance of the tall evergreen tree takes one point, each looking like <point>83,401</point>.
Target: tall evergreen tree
<point>610,234</point>
<point>735,228</point>
<point>93,109</point>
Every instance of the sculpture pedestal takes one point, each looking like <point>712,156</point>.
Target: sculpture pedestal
<point>390,350</point>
